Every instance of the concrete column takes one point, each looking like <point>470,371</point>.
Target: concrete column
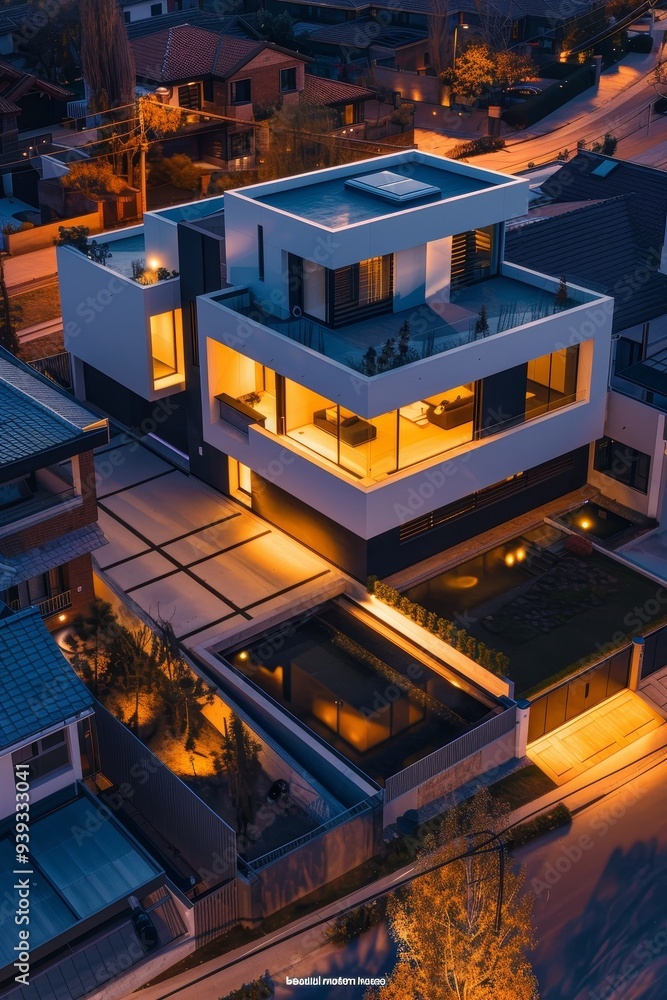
<point>636,662</point>
<point>521,728</point>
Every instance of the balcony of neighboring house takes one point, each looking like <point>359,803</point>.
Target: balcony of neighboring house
<point>40,494</point>
<point>50,592</point>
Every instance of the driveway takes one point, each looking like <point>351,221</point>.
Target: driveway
<point>182,552</point>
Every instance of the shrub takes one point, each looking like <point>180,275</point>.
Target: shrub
<point>476,147</point>
<point>349,926</point>
<point>490,659</point>
<point>559,816</point>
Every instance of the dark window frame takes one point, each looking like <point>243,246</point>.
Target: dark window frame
<point>291,70</point>
<point>242,85</point>
<point>626,465</point>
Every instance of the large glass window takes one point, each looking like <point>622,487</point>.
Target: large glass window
<point>44,756</point>
<point>166,344</point>
<point>240,91</point>
<point>552,381</point>
<point>361,288</point>
<point>622,463</point>
<point>436,424</point>
<point>243,379</point>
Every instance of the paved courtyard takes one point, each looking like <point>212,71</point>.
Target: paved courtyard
<point>184,553</point>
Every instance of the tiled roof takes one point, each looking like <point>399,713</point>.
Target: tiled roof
<point>8,107</point>
<point>188,51</point>
<point>353,34</point>
<point>546,9</point>
<point>319,91</point>
<point>34,414</point>
<point>227,25</point>
<point>38,688</point>
<point>16,81</point>
<point>12,18</point>
<point>18,569</point>
<point>593,242</point>
<point>644,186</point>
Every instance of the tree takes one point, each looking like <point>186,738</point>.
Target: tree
<point>52,44</point>
<point>482,322</point>
<point>134,662</point>
<point>106,57</point>
<point>77,237</point>
<point>95,178</point>
<point>279,29</point>
<point>181,689</point>
<point>8,316</point>
<point>90,641</point>
<point>403,116</point>
<point>480,69</point>
<point>239,760</point>
<point>178,170</point>
<point>562,296</point>
<point>439,35</point>
<point>444,921</point>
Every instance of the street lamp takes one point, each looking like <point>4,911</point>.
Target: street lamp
<point>456,38</point>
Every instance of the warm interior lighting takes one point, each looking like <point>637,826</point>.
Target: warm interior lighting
<point>510,559</point>
<point>463,582</point>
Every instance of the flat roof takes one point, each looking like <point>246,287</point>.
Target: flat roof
<point>334,203</point>
<point>74,875</point>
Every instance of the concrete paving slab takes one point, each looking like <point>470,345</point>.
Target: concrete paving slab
<point>654,689</point>
<point>259,569</point>
<point>162,515</point>
<point>143,569</point>
<point>212,540</point>
<point>124,464</point>
<point>183,602</point>
<point>122,543</point>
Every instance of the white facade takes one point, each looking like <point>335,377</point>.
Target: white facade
<point>369,496</point>
<point>61,778</point>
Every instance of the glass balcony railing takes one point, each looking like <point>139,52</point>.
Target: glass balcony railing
<point>35,505</point>
<point>391,340</point>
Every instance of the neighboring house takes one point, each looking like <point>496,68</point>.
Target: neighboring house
<point>227,24</point>
<point>35,102</point>
<point>345,100</point>
<point>205,70</point>
<point>378,381</point>
<point>601,222</point>
<point>140,10</point>
<point>81,863</point>
<point>15,23</point>
<point>538,25</point>
<point>48,511</point>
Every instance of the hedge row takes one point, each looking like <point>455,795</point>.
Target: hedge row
<point>476,147</point>
<point>490,659</point>
<point>579,78</point>
<point>560,815</point>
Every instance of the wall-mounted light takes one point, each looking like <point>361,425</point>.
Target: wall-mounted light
<point>62,618</point>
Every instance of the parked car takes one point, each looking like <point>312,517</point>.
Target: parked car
<point>519,93</point>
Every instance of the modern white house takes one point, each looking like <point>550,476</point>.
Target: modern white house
<point>359,364</point>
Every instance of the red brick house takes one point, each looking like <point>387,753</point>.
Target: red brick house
<point>48,501</point>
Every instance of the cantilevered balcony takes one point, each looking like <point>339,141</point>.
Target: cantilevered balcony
<point>44,491</point>
<point>507,319</point>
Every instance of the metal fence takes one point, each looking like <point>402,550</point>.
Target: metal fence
<point>444,758</point>
<point>655,651</point>
<point>187,823</point>
<point>357,810</point>
<point>215,912</point>
<point>57,367</point>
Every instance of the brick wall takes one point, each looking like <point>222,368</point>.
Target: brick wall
<point>60,523</point>
<point>264,73</point>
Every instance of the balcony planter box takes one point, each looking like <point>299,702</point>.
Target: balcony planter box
<point>238,414</point>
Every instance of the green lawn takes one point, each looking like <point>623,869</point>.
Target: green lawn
<point>37,306</point>
<point>522,786</point>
